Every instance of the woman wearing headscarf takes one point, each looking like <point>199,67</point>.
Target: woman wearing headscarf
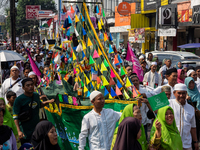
<point>193,98</point>
<point>164,133</point>
<point>179,65</point>
<point>45,137</point>
<point>132,110</point>
<point>7,138</point>
<point>192,91</point>
<point>125,140</point>
<point>181,76</point>
<point>8,120</point>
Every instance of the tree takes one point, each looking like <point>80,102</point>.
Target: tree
<point>23,25</point>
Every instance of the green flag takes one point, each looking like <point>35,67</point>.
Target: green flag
<point>106,63</point>
<point>91,61</point>
<point>158,101</point>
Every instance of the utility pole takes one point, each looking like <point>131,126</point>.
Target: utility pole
<point>13,21</point>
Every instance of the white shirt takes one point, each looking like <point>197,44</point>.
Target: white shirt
<point>99,129</point>
<point>39,64</point>
<point>158,90</point>
<point>144,109</point>
<point>198,83</point>
<point>185,120</point>
<point>17,88</point>
<point>152,80</point>
<point>163,68</point>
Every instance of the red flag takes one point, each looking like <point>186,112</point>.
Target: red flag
<point>72,10</point>
<point>99,11</point>
<point>64,9</point>
<point>49,22</point>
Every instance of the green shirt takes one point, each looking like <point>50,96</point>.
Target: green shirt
<point>22,103</point>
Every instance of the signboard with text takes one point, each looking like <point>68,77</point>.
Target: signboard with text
<point>31,11</point>
<point>167,32</point>
<point>137,35</point>
<point>196,15</point>
<point>43,14</point>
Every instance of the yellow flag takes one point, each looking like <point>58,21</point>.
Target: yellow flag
<point>105,82</point>
<point>128,83</point>
<point>103,67</point>
<point>87,80</point>
<point>124,70</point>
<point>85,89</point>
<point>110,97</point>
<point>83,45</point>
<point>89,42</point>
<point>99,25</point>
<point>102,22</point>
<point>76,79</point>
<point>74,56</point>
<point>61,45</point>
<point>53,35</point>
<point>105,38</point>
<point>99,52</point>
<point>126,95</point>
<point>76,18</point>
<point>98,86</point>
<point>57,35</point>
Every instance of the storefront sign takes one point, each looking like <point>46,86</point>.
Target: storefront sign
<point>196,15</point>
<point>137,35</point>
<point>121,20</point>
<point>167,32</point>
<point>124,8</point>
<point>31,11</point>
<point>185,15</point>
<point>167,15</point>
<point>151,4</point>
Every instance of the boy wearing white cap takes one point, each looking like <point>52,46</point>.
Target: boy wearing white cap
<point>184,116</point>
<point>152,78</point>
<point>13,83</point>
<point>98,125</point>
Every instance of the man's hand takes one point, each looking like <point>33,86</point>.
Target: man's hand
<point>144,100</point>
<point>21,135</point>
<point>43,96</point>
<point>51,101</point>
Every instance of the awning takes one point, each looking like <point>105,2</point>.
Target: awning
<point>190,45</point>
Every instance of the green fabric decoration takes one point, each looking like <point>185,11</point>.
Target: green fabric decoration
<point>122,71</point>
<point>82,84</point>
<point>60,97</point>
<point>106,63</point>
<point>70,100</point>
<point>103,13</point>
<point>170,137</point>
<point>128,112</point>
<point>91,61</point>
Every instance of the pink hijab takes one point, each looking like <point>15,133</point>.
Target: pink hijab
<point>179,80</point>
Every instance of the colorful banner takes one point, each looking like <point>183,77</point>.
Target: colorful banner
<point>68,121</point>
<point>136,65</point>
<point>185,15</point>
<point>137,35</point>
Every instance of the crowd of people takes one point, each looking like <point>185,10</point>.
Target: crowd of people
<point>174,127</point>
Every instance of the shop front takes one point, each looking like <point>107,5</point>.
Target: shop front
<point>122,25</point>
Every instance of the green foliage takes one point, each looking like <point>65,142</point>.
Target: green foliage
<point>23,25</point>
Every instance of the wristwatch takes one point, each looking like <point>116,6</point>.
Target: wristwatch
<point>195,141</point>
